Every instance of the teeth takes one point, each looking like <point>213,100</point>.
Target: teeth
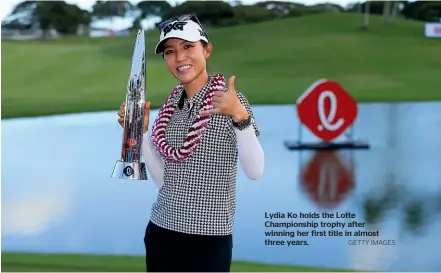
<point>182,68</point>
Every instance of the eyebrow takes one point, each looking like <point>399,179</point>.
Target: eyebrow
<point>183,42</point>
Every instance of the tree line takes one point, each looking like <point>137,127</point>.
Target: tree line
<point>66,18</point>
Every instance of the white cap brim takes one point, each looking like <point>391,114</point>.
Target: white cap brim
<point>187,31</point>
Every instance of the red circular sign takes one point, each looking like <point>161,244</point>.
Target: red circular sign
<point>327,109</point>
<point>326,179</point>
<point>131,142</point>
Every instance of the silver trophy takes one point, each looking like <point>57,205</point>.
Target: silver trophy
<point>130,166</point>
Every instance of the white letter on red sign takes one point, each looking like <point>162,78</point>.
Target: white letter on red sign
<point>326,121</point>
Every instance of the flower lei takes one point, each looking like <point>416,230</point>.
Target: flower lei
<point>196,130</point>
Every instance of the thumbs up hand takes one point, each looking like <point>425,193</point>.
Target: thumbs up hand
<point>227,103</point>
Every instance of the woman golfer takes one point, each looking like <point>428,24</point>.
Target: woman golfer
<point>192,151</point>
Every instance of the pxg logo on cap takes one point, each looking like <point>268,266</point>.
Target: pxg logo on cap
<point>128,171</point>
<point>202,33</point>
<point>174,26</point>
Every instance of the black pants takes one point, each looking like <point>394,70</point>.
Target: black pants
<point>172,251</point>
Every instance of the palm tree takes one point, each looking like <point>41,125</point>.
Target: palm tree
<point>390,10</point>
<point>367,6</point>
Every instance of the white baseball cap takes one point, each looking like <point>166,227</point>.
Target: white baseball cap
<point>186,30</point>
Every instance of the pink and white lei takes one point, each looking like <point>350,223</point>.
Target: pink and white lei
<point>195,131</point>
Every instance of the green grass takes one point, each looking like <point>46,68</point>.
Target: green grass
<point>92,263</point>
<point>273,62</point>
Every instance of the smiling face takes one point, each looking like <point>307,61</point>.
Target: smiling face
<point>186,60</point>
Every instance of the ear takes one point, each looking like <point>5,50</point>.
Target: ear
<point>207,50</point>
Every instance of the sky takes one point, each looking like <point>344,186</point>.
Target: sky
<point>7,5</point>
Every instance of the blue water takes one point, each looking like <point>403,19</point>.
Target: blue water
<point>57,194</point>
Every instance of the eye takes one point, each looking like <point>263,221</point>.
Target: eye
<point>188,46</point>
<point>167,52</point>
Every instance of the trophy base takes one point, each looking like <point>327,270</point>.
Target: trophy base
<point>130,170</point>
